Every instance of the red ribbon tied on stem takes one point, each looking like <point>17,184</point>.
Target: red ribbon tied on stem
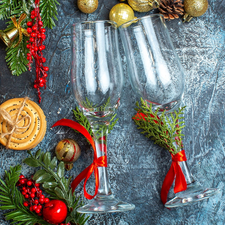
<point>176,173</point>
<point>97,162</point>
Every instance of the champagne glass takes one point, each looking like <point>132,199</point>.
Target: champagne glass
<point>156,75</point>
<point>97,80</point>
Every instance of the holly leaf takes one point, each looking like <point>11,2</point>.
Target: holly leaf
<point>37,154</point>
<point>38,174</point>
<point>31,162</point>
<point>61,169</point>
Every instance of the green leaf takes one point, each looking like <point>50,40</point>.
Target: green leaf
<point>47,158</point>
<point>59,193</point>
<point>49,184</point>
<point>61,169</point>
<point>43,178</point>
<point>38,174</point>
<point>31,162</point>
<point>53,163</point>
<point>38,153</point>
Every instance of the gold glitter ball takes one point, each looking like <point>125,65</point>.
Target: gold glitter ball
<point>143,5</point>
<point>87,6</point>
<point>195,8</point>
<point>121,13</point>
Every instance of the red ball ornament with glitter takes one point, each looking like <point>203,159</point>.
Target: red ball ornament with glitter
<point>35,45</point>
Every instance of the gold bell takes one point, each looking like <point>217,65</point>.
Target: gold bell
<point>9,36</point>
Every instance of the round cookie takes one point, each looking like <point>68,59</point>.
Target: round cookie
<point>23,138</point>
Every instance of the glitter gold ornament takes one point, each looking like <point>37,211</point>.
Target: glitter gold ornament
<point>68,151</point>
<point>143,5</point>
<point>121,13</point>
<point>194,8</point>
<point>87,6</point>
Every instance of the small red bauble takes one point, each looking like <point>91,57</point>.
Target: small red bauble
<point>29,30</point>
<point>55,211</point>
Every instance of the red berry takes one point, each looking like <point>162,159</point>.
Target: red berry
<point>22,181</point>
<point>37,210</point>
<point>39,35</point>
<point>35,48</point>
<point>35,86</point>
<point>23,193</point>
<point>43,36</point>
<point>43,60</point>
<point>29,30</point>
<point>40,48</point>
<point>29,23</point>
<point>25,204</point>
<point>29,183</point>
<point>31,39</point>
<point>33,34</point>
<point>40,23</point>
<point>34,28</point>
<point>43,47</point>
<point>34,207</point>
<point>37,185</point>
<point>45,75</point>
<point>36,201</point>
<point>32,195</point>
<point>21,176</point>
<point>41,200</point>
<point>31,208</point>
<point>39,206</point>
<point>32,16</point>
<point>32,12</point>
<point>43,30</point>
<point>46,200</point>
<point>41,85</point>
<point>46,68</point>
<point>24,188</point>
<point>33,190</point>
<point>26,196</point>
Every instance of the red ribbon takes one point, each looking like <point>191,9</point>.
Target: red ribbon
<point>97,162</point>
<point>176,173</point>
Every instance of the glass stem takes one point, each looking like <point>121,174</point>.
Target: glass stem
<point>100,137</point>
<point>188,176</point>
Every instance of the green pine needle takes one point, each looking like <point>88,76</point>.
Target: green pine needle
<point>164,130</point>
<point>82,120</point>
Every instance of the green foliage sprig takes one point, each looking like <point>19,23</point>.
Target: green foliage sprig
<point>165,130</point>
<point>11,199</point>
<point>55,183</point>
<point>16,57</point>
<point>82,119</point>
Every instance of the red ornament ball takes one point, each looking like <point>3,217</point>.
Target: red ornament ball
<point>55,211</point>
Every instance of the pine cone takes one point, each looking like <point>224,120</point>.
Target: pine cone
<point>171,9</point>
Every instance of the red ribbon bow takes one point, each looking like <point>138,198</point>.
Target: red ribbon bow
<point>176,173</point>
<point>97,162</point>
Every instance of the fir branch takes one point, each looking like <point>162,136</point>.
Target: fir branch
<point>55,183</point>
<point>164,130</point>
<point>49,12</point>
<point>82,120</point>
<point>11,199</point>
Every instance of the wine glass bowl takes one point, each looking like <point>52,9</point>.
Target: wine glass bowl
<point>154,69</point>
<point>97,81</point>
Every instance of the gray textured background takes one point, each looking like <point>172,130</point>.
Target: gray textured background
<point>136,166</point>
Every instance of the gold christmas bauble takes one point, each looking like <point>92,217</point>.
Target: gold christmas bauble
<point>121,13</point>
<point>143,5</point>
<point>87,6</point>
<point>68,151</point>
<point>194,8</point>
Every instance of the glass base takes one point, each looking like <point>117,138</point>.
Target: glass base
<point>194,193</point>
<point>105,204</point>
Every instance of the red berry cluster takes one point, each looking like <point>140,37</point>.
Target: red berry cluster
<point>33,194</point>
<point>35,45</point>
